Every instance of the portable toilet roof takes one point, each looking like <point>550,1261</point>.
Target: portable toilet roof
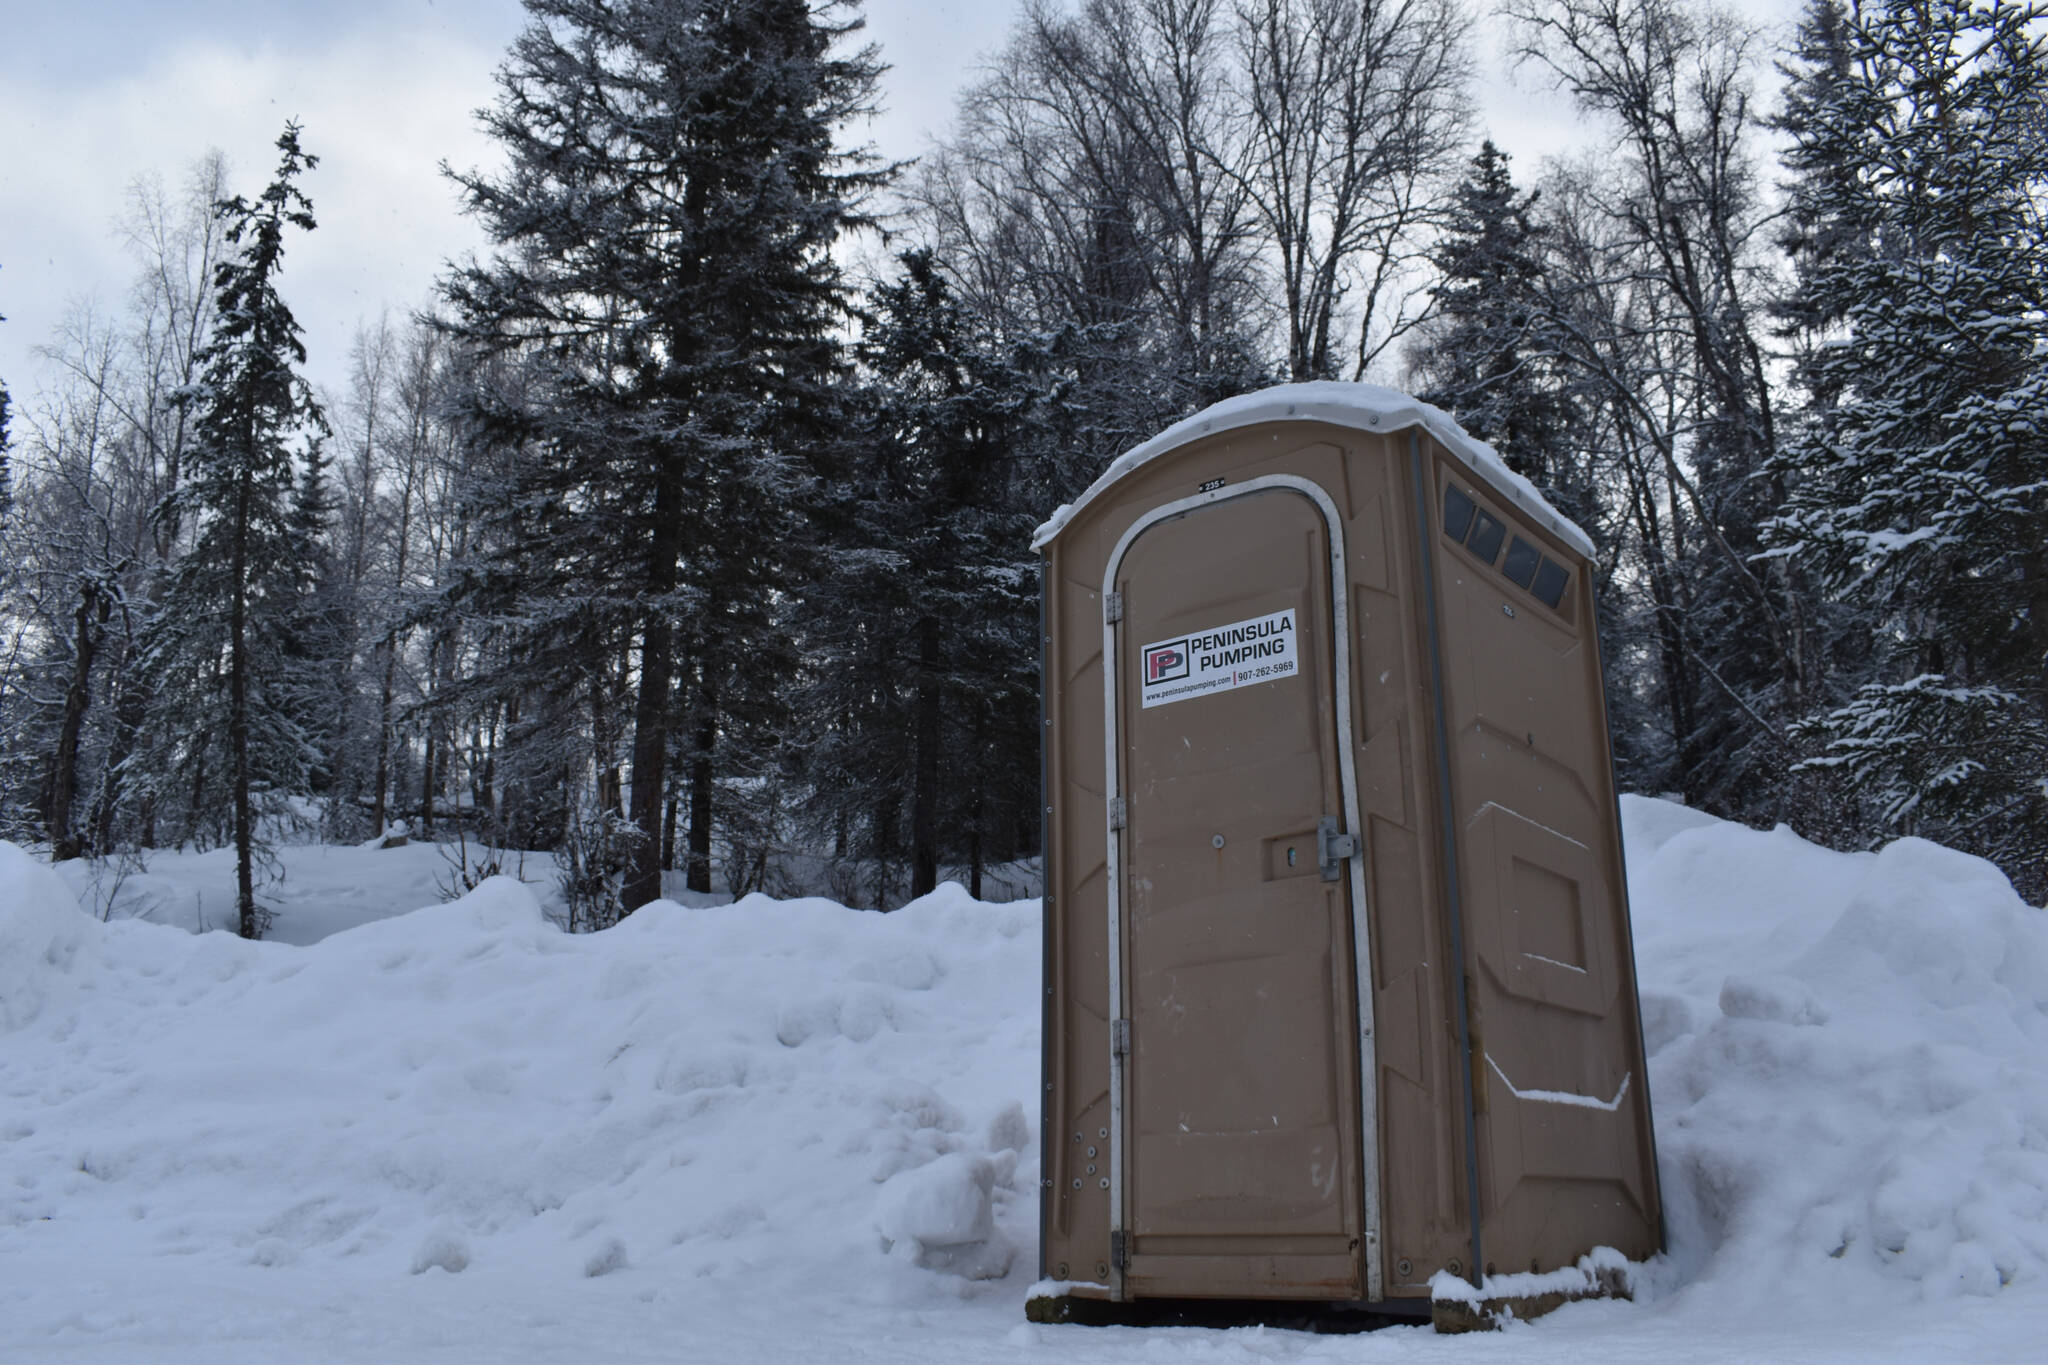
<point>1339,985</point>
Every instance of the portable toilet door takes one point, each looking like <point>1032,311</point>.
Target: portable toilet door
<point>1260,1064</point>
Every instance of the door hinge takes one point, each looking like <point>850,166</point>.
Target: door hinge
<point>1112,607</point>
<point>1120,1037</point>
<point>1332,848</point>
<point>1119,813</point>
<point>1119,1254</point>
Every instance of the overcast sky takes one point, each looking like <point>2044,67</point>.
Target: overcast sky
<point>94,93</point>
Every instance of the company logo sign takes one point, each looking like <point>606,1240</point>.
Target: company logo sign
<point>1165,662</point>
<point>1241,654</point>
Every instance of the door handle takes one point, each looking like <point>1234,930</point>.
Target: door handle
<point>1332,848</point>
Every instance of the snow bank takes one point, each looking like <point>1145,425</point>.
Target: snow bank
<point>694,1101</point>
<point>1367,407</point>
<point>41,930</point>
<point>1850,1061</point>
<point>785,1130</point>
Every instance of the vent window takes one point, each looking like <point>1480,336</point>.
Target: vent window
<point>1520,565</point>
<point>1458,509</point>
<point>1487,533</point>
<point>1550,583</point>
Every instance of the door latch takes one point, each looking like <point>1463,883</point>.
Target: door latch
<point>1332,848</point>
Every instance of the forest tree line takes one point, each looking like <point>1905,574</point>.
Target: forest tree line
<point>665,539</point>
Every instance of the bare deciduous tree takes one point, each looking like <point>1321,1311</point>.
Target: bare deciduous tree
<point>1354,117</point>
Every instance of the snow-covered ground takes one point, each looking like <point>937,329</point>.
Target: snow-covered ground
<point>787,1131</point>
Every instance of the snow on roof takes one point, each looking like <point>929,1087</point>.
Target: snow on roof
<point>1366,407</point>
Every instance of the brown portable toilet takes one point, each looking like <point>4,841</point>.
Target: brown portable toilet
<point>1339,988</point>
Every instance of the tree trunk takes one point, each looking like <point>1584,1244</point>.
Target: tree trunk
<point>974,862</point>
<point>238,718</point>
<point>668,829</point>
<point>379,812</point>
<point>131,704</point>
<point>924,793</point>
<point>427,766</point>
<point>65,842</point>
<point>651,706</point>
<point>516,819</point>
<point>701,772</point>
<point>198,797</point>
<point>885,848</point>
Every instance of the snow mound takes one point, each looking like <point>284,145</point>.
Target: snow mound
<point>942,1213</point>
<point>1863,1098</point>
<point>41,930</point>
<point>695,1101</point>
<point>786,1130</point>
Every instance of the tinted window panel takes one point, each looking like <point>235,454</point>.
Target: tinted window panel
<point>1550,581</point>
<point>1520,565</point>
<point>1487,532</point>
<point>1458,509</point>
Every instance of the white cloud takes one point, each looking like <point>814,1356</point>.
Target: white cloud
<point>381,113</point>
<point>382,108</point>
<point>384,101</point>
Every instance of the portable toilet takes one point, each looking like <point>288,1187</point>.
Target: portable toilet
<point>1339,987</point>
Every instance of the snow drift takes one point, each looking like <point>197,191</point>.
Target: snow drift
<point>1850,1060</point>
<point>783,1130</point>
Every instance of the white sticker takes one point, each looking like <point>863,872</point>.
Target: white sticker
<point>1237,655</point>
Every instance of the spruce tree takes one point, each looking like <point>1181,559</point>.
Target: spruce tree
<point>1485,357</point>
<point>1814,232</point>
<point>919,622</point>
<point>1920,477</point>
<point>663,233</point>
<point>314,684</point>
<point>230,602</point>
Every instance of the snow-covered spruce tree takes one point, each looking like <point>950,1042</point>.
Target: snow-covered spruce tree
<point>1812,231</point>
<point>1497,353</point>
<point>231,601</point>
<point>663,231</point>
<point>918,626</point>
<point>316,650</point>
<point>1485,355</point>
<point>1920,475</point>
